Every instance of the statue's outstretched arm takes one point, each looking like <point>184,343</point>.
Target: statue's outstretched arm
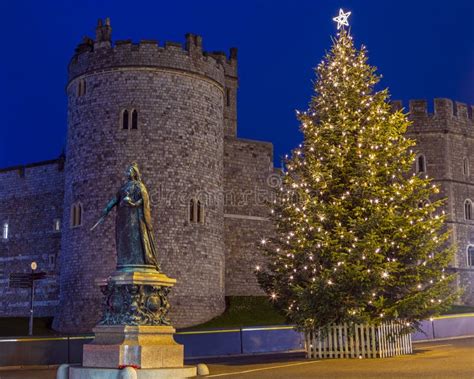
<point>112,203</point>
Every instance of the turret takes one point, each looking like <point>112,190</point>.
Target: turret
<point>164,107</point>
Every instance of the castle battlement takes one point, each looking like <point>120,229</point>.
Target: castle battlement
<point>447,114</point>
<point>101,54</point>
<point>22,170</point>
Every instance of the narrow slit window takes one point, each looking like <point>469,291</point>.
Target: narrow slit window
<point>134,119</point>
<point>76,215</point>
<point>421,163</point>
<point>191,210</point>
<point>79,215</point>
<point>468,210</point>
<point>199,212</point>
<point>81,88</point>
<point>52,260</point>
<point>5,230</point>
<point>465,166</point>
<point>125,119</point>
<point>470,256</point>
<point>57,225</point>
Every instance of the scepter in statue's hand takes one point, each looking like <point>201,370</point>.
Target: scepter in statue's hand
<point>112,203</point>
<point>101,220</point>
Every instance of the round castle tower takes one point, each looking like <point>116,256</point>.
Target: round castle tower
<point>166,108</point>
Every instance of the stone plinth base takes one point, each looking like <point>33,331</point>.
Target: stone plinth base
<point>134,339</point>
<point>136,298</point>
<point>151,373</point>
<point>141,346</point>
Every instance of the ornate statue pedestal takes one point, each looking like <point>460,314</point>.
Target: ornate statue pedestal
<point>134,334</point>
<point>117,346</point>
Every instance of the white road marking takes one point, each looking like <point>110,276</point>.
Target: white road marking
<point>262,369</point>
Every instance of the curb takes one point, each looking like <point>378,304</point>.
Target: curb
<point>28,367</point>
<point>444,339</point>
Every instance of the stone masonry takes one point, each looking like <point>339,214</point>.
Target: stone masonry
<point>446,140</point>
<point>31,204</point>
<point>185,100</point>
<point>184,138</point>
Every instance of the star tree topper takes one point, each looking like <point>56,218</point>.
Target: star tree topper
<point>342,19</point>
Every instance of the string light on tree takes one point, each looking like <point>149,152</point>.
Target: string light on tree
<point>350,233</point>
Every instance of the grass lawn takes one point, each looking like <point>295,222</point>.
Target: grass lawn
<point>245,311</point>
<point>455,309</point>
<point>240,311</point>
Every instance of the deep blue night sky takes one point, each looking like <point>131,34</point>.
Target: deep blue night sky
<point>424,49</point>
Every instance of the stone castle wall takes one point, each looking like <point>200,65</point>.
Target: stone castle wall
<point>445,137</point>
<point>180,98</point>
<point>31,202</point>
<point>249,180</point>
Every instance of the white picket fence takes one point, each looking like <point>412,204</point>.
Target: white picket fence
<point>359,341</point>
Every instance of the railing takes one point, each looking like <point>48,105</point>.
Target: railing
<point>358,341</point>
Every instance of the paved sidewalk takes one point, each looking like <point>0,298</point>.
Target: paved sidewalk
<point>433,360</point>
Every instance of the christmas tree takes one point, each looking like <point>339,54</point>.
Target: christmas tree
<point>359,238</point>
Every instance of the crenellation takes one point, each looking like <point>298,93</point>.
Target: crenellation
<point>447,115</point>
<point>174,46</point>
<point>460,110</point>
<point>125,53</point>
<point>123,42</point>
<point>418,108</point>
<point>220,56</point>
<point>193,44</point>
<point>233,53</point>
<point>103,35</point>
<point>397,105</point>
<point>443,108</point>
<point>22,169</point>
<point>148,42</point>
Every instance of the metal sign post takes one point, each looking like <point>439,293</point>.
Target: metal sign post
<point>34,266</point>
<point>22,280</point>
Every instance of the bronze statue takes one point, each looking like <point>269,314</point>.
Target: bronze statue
<point>135,243</point>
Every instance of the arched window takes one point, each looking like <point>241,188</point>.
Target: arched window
<point>420,163</point>
<point>5,231</point>
<point>125,119</point>
<point>468,209</point>
<point>470,255</point>
<point>81,87</point>
<point>465,166</point>
<point>134,119</point>
<point>191,210</point>
<point>76,215</point>
<point>196,211</point>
